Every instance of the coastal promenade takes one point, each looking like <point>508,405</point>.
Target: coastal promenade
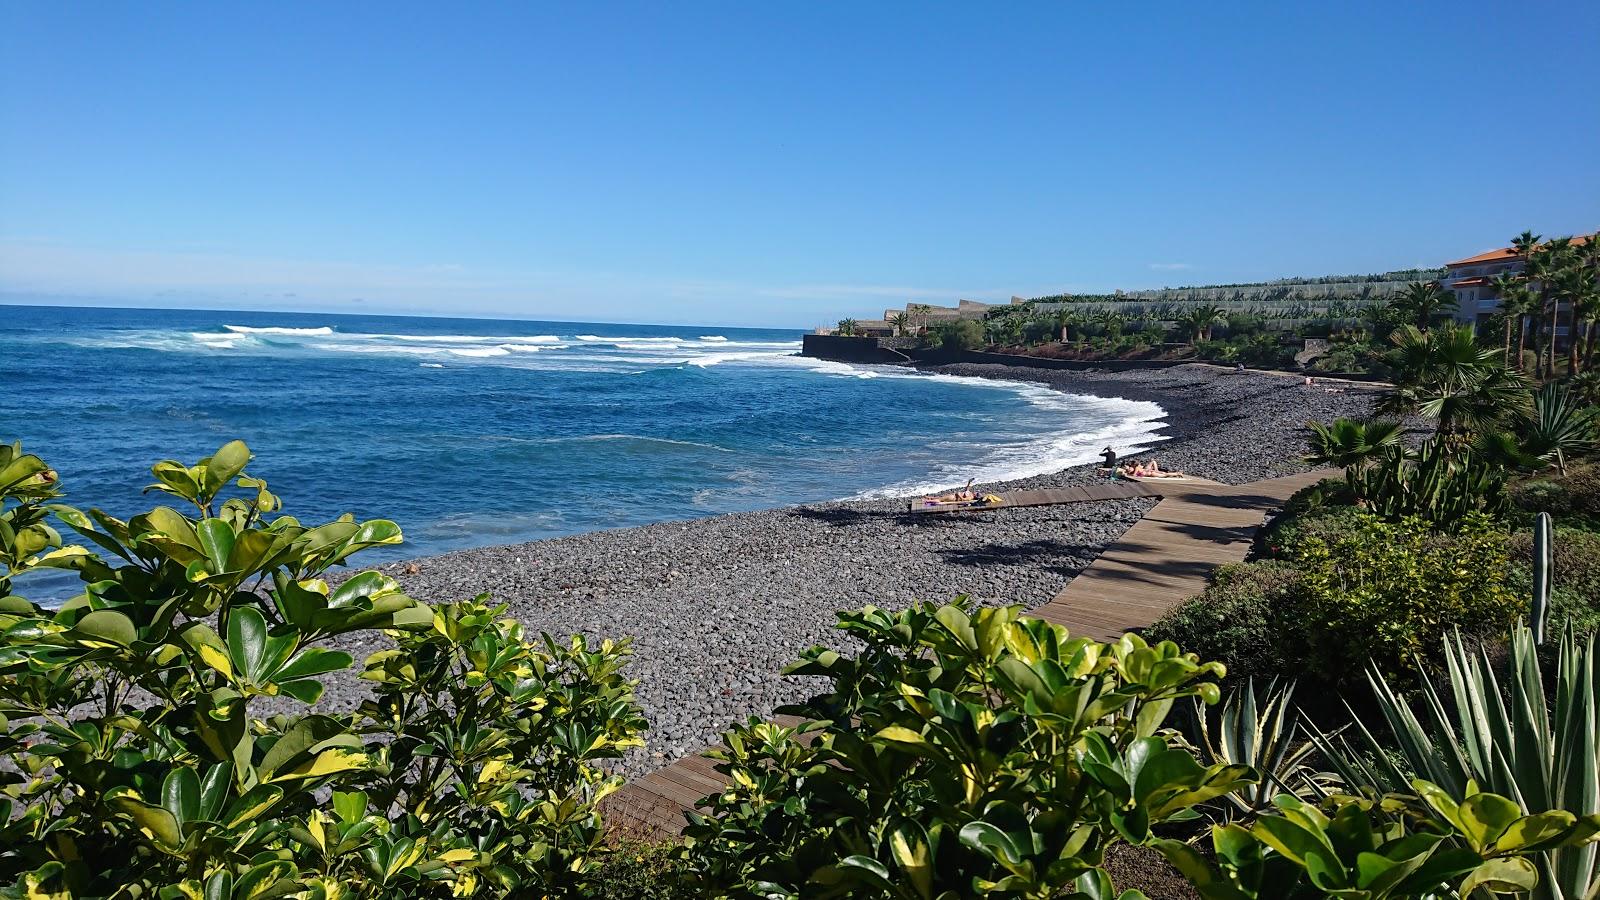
<point>1165,558</point>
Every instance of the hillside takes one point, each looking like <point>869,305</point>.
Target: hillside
<point>1306,291</point>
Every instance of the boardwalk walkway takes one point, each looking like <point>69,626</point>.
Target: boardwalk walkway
<point>1168,556</point>
<point>1164,559</point>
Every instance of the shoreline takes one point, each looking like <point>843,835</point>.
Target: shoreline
<point>716,606</point>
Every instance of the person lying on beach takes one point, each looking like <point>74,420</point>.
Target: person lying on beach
<point>1150,470</point>
<point>964,495</point>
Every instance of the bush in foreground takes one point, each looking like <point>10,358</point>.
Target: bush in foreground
<point>960,754</point>
<point>977,754</point>
<point>1249,618</point>
<point>963,751</point>
<point>136,758</point>
<point>1348,589</point>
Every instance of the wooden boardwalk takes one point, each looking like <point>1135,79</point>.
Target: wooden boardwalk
<point>1165,558</point>
<point>1168,556</point>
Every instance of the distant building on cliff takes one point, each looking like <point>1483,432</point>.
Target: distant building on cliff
<point>1471,280</point>
<point>923,315</point>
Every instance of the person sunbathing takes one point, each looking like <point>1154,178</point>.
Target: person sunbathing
<point>1148,470</point>
<point>965,495</point>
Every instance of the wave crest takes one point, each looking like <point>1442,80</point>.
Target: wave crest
<point>310,332</point>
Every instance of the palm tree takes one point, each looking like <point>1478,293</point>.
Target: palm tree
<point>1591,296</point>
<point>1516,303</point>
<point>1444,375</point>
<point>1545,266</point>
<point>1586,387</point>
<point>1524,246</point>
<point>847,328</point>
<point>1424,300</point>
<point>919,316</point>
<point>899,321</point>
<point>1199,321</point>
<point>1573,286</point>
<point>1065,319</point>
<point>1352,444</point>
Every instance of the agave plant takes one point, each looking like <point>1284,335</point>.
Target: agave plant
<point>1268,736</point>
<point>1511,742</point>
<point>1558,426</point>
<point>1439,482</point>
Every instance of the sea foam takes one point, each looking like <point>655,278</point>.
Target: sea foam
<point>287,332</point>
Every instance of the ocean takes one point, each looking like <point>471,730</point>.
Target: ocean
<point>473,432</point>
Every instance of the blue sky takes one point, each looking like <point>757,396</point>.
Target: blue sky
<point>770,164</point>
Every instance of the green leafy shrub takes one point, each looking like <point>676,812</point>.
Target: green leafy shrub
<point>1249,619</point>
<point>1575,590</point>
<point>136,760</point>
<point>1354,357</point>
<point>1383,592</point>
<point>1327,492</point>
<point>1320,522</point>
<point>966,334</point>
<point>960,754</point>
<point>1344,589</point>
<point>635,871</point>
<point>1574,496</point>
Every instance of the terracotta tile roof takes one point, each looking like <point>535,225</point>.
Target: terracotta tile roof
<point>1505,253</point>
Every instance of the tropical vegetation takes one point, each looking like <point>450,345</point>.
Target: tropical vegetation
<point>156,735</point>
<point>163,733</point>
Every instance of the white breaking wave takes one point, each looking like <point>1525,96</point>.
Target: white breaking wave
<point>479,351</point>
<point>219,341</point>
<point>462,338</point>
<point>715,338</point>
<point>597,339</point>
<point>646,439</point>
<point>1129,426</point>
<point>719,358</point>
<point>313,332</point>
<point>379,348</point>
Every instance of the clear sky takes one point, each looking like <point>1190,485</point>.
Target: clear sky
<point>770,163</point>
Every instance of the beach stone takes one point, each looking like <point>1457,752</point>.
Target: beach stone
<point>716,607</point>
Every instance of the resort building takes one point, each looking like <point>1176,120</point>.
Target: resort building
<point>1471,280</point>
<point>922,315</point>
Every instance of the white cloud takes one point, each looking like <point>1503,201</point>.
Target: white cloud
<point>1170,267</point>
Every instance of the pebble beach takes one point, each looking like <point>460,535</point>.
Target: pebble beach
<point>715,607</point>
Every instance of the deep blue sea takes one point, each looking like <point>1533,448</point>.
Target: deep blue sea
<point>472,432</point>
